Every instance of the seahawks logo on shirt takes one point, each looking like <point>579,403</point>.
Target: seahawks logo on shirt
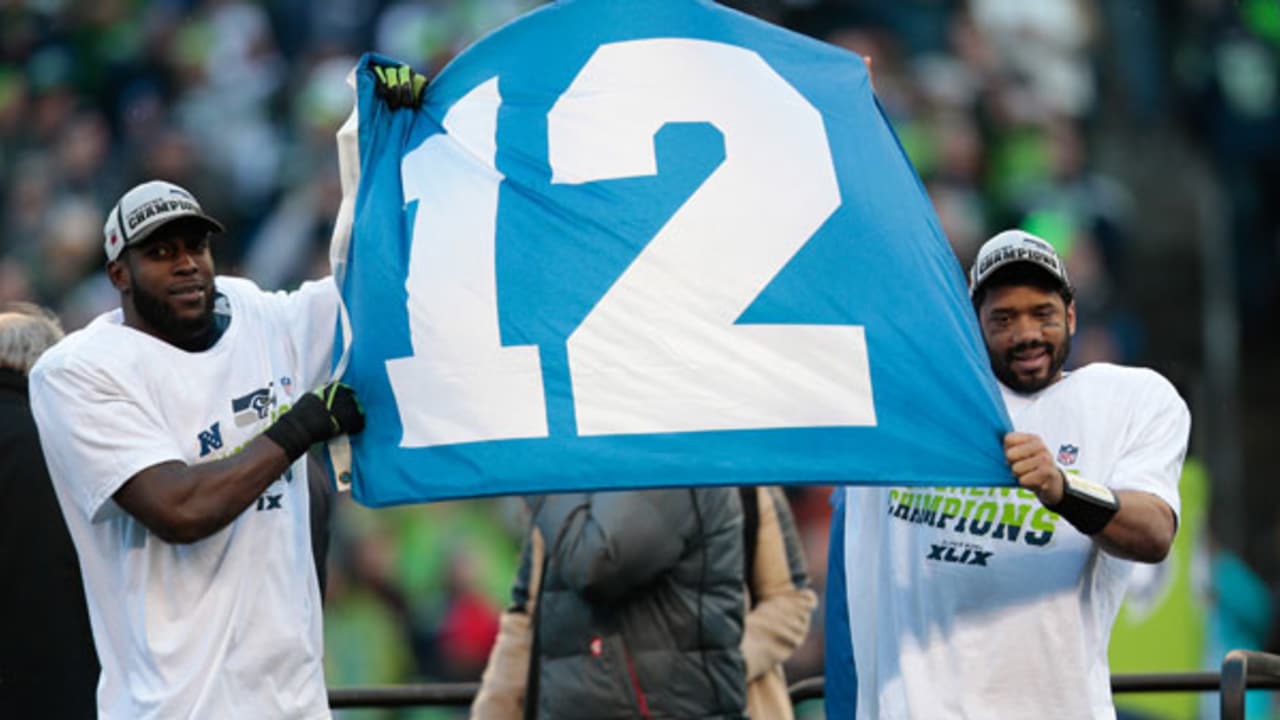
<point>249,409</point>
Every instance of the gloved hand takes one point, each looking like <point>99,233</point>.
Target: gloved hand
<point>319,415</point>
<point>400,86</point>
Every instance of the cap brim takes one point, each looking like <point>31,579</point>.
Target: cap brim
<point>147,233</point>
<point>1000,267</point>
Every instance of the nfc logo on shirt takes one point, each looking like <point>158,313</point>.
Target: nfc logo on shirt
<point>210,439</point>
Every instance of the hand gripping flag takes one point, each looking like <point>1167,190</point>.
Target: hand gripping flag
<point>639,243</point>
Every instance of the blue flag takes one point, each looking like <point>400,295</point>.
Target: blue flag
<point>651,243</point>
<point>840,669</point>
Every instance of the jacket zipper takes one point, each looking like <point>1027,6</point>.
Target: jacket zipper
<point>635,684</point>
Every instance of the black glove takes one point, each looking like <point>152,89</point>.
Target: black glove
<point>325,413</point>
<point>399,85</point>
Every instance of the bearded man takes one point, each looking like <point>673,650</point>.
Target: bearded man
<point>998,601</point>
<point>174,428</point>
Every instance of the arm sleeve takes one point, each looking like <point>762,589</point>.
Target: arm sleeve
<point>1155,444</point>
<point>311,320</point>
<point>783,602</point>
<point>95,435</point>
<point>610,543</point>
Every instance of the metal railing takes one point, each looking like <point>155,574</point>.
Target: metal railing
<point>1241,670</point>
<point>421,694</point>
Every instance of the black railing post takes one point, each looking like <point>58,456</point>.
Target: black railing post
<point>1239,668</point>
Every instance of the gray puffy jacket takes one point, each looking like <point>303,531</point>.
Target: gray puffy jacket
<point>639,606</point>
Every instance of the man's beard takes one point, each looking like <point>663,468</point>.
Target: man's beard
<point>191,334</point>
<point>1003,366</point>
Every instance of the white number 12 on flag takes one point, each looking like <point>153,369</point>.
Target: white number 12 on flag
<point>660,352</point>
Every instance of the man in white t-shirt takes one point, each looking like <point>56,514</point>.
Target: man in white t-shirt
<point>174,428</point>
<point>997,602</point>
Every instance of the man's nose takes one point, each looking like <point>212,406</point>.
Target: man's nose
<point>185,262</point>
<point>1025,329</point>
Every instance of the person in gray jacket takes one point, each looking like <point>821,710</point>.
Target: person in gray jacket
<point>627,605</point>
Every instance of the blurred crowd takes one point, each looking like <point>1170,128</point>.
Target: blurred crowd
<point>237,101</point>
<point>1076,119</point>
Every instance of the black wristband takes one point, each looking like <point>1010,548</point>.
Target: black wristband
<point>1086,505</point>
<point>306,423</point>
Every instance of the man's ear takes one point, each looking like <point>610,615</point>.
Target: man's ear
<point>1071,318</point>
<point>118,273</point>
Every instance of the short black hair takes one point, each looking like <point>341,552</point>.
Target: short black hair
<point>1023,273</point>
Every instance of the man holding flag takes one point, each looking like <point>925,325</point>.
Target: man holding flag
<point>998,602</point>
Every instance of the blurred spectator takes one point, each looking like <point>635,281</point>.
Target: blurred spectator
<point>13,92</point>
<point>84,158</point>
<point>1043,51</point>
<point>415,589</point>
<point>1229,69</point>
<point>955,185</point>
<point>53,95</point>
<point>1088,217</point>
<point>469,625</point>
<point>812,513</point>
<point>70,246</point>
<point>48,668</point>
<point>426,31</point>
<point>1095,204</point>
<point>626,604</point>
<point>366,619</point>
<point>231,71</point>
<point>26,203</point>
<point>780,603</point>
<point>292,241</point>
<point>1134,35</point>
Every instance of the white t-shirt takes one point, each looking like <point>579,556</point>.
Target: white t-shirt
<point>227,627</point>
<point>979,602</point>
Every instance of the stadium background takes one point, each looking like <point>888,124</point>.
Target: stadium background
<point>1141,137</point>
